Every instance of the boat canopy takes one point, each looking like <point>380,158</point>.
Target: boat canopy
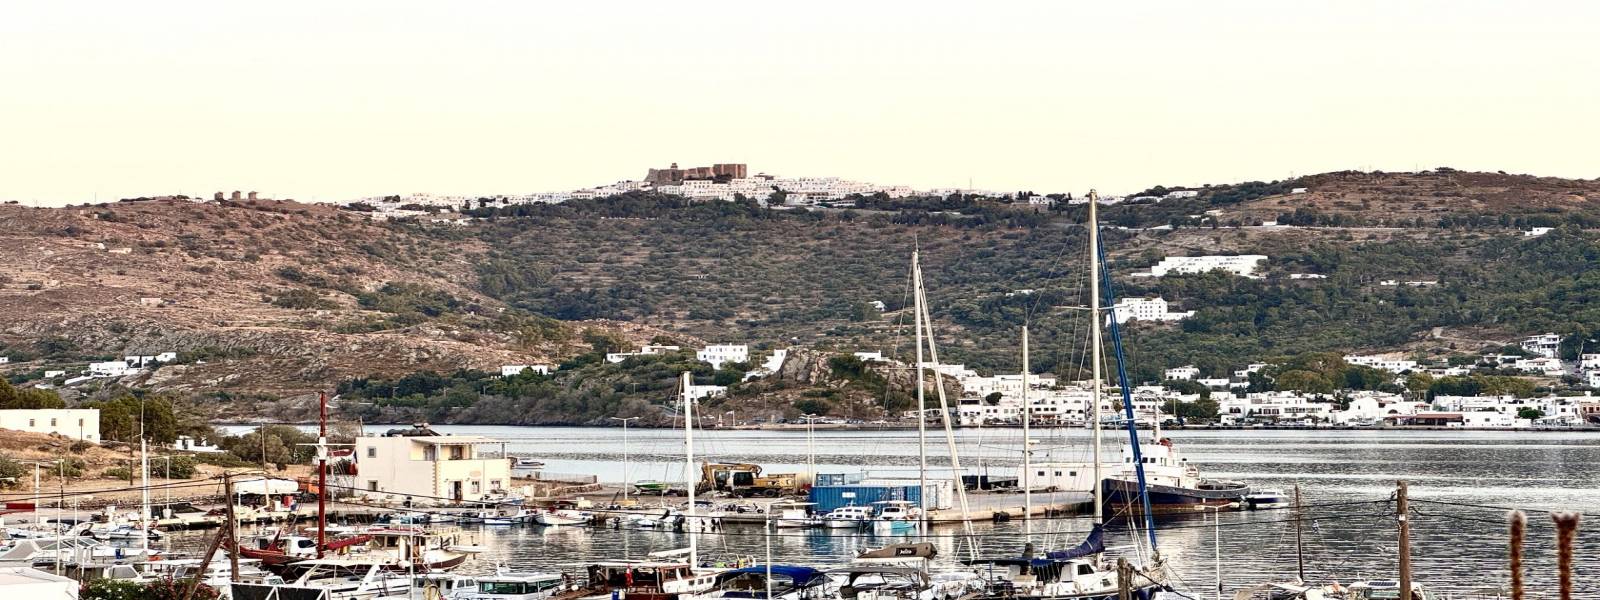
<point>800,575</point>
<point>916,550</point>
<point>1094,544</point>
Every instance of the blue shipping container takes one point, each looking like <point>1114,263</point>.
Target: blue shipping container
<point>829,497</point>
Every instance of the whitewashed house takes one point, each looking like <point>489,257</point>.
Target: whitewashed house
<point>110,368</point>
<point>1588,361</point>
<point>54,374</point>
<point>1146,309</point>
<point>1545,345</point>
<point>1215,383</point>
<point>723,353</point>
<point>700,392</point>
<point>1540,365</point>
<point>71,423</point>
<point>1378,361</point>
<point>1242,265</point>
<point>1183,373</point>
<point>514,370</point>
<point>1273,407</point>
<point>1536,231</point>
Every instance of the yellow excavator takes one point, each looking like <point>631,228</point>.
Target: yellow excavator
<point>745,480</point>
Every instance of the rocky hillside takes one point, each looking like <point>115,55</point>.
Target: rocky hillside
<point>273,298</point>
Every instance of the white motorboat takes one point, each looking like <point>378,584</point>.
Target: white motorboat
<point>337,579</point>
<point>847,517</point>
<point>560,516</point>
<point>793,515</point>
<point>894,516</point>
<point>1267,498</point>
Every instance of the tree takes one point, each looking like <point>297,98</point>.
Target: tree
<point>121,419</point>
<point>13,398</point>
<point>1530,413</point>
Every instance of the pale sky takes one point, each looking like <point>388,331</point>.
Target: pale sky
<point>336,100</point>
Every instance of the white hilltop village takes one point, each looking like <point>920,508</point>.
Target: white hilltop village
<point>727,182</point>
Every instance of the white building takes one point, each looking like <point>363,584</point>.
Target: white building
<point>1242,265</point>
<point>1307,276</point>
<point>71,423</point>
<point>725,353</point>
<point>54,374</point>
<point>1274,407</point>
<point>700,392</point>
<point>869,356</point>
<point>1591,378</point>
<point>1146,309</point>
<point>1215,383</point>
<point>1541,365</point>
<point>1588,361</point>
<point>646,350</point>
<point>1184,373</point>
<point>514,370</point>
<point>425,467</point>
<point>1378,361</point>
<point>1545,345</point>
<point>111,368</point>
<point>1179,194</point>
<point>1536,231</point>
<point>1369,408</point>
<point>4,359</point>
<point>1297,191</point>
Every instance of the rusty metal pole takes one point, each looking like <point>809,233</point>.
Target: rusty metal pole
<point>1519,526</point>
<point>1566,533</point>
<point>1403,507</point>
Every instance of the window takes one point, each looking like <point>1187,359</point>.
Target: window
<point>477,488</point>
<point>372,485</point>
<point>1058,473</point>
<point>372,451</point>
<point>52,422</point>
<point>458,452</point>
<point>30,422</point>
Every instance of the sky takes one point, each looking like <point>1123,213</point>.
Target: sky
<point>332,101</point>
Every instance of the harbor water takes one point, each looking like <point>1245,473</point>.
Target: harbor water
<point>1461,483</point>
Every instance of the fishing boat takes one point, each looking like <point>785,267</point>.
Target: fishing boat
<point>1171,484</point>
<point>645,580</point>
<point>1385,590</point>
<point>275,549</point>
<point>768,582</point>
<point>847,517</point>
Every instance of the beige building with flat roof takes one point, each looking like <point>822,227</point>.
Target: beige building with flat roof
<point>430,469</point>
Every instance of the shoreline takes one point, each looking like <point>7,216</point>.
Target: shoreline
<point>796,427</point>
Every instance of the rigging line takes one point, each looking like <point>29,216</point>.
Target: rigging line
<point>1482,506</point>
<point>77,493</point>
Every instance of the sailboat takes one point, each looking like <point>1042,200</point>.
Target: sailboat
<point>1076,573</point>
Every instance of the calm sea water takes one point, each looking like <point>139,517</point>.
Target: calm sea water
<point>1347,479</point>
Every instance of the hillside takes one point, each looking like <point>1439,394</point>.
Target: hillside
<point>270,300</point>
<point>267,298</point>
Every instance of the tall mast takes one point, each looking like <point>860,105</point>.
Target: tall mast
<point>922,401</point>
<point>144,469</point>
<point>690,477</point>
<point>322,472</point>
<point>1094,317</point>
<point>1027,450</point>
<point>949,431</point>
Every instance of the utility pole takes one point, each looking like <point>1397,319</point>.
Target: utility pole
<point>1403,506</point>
<point>1299,545</point>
